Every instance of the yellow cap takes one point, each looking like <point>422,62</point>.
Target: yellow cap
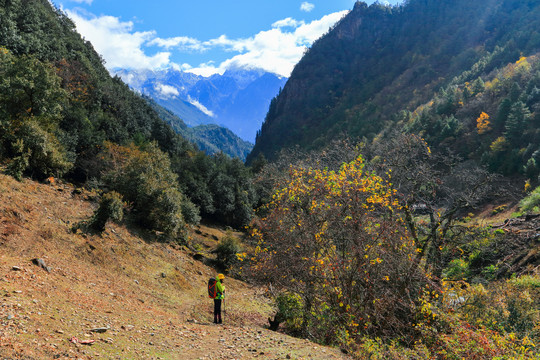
<point>221,276</point>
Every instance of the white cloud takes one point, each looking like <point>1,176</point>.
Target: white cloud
<point>307,7</point>
<point>308,33</point>
<point>200,106</point>
<point>181,67</point>
<point>180,42</point>
<point>226,43</point>
<point>167,91</point>
<point>288,22</point>
<point>276,50</point>
<point>207,69</point>
<point>273,50</point>
<point>116,41</point>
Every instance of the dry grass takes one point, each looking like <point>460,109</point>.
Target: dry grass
<point>152,296</point>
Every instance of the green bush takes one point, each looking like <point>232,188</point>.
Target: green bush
<point>523,306</point>
<point>19,163</point>
<point>227,250</point>
<point>458,269</point>
<point>190,212</point>
<point>144,177</point>
<point>166,211</point>
<point>289,310</point>
<point>31,105</point>
<point>531,202</point>
<point>527,282</point>
<point>30,88</point>
<point>111,207</point>
<point>490,271</point>
<point>507,307</point>
<point>47,156</point>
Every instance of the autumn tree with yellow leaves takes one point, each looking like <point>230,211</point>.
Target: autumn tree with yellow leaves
<point>483,124</point>
<point>337,239</point>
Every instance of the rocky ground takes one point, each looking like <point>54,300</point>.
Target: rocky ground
<point>119,295</point>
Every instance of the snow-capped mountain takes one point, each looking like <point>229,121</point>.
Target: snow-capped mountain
<point>237,100</point>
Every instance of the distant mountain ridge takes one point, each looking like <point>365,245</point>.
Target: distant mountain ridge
<point>210,138</point>
<point>237,100</point>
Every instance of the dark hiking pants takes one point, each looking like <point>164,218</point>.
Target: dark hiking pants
<point>217,311</point>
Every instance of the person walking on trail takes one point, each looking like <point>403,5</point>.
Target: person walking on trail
<point>220,296</point>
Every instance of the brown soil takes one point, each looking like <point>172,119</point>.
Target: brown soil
<point>150,296</point>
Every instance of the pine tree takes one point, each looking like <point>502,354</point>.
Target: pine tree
<point>502,113</point>
<point>516,123</point>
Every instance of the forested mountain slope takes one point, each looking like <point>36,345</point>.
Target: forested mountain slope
<point>210,138</point>
<point>63,115</point>
<point>379,62</point>
<point>88,107</point>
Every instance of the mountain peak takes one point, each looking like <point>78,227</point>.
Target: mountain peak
<point>238,99</point>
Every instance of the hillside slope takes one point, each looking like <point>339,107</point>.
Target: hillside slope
<point>51,75</point>
<point>210,138</point>
<point>380,60</point>
<point>60,110</point>
<point>151,296</point>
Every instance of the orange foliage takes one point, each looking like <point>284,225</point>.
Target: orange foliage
<point>483,124</point>
<point>74,80</point>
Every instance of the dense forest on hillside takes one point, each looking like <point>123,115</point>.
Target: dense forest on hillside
<point>63,115</point>
<point>381,60</point>
<point>494,119</point>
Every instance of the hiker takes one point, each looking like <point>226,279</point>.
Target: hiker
<point>220,295</point>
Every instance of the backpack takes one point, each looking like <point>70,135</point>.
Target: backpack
<point>212,291</point>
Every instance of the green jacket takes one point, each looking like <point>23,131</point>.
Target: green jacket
<point>220,289</point>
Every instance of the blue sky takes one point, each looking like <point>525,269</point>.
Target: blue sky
<point>204,37</point>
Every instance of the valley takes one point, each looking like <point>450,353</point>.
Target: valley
<point>237,99</point>
<point>388,208</point>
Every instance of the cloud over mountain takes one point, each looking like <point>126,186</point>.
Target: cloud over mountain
<point>180,42</point>
<point>276,50</point>
<point>166,91</point>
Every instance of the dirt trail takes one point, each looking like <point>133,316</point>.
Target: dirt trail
<point>37,322</point>
<point>148,298</point>
<point>228,342</point>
